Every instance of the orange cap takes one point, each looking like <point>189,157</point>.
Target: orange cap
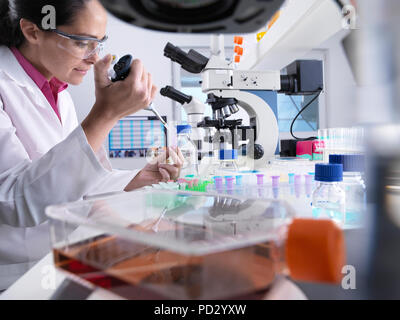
<point>315,250</point>
<point>237,59</point>
<point>238,40</point>
<point>239,50</point>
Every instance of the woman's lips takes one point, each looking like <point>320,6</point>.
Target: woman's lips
<point>83,72</point>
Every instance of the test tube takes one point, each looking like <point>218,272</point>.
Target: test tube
<point>216,177</point>
<point>260,184</point>
<point>219,184</point>
<point>309,185</point>
<point>275,181</point>
<point>226,179</point>
<point>210,187</point>
<point>239,180</point>
<point>291,184</point>
<point>291,178</point>
<point>297,190</point>
<point>229,184</point>
<point>260,179</point>
<point>275,186</point>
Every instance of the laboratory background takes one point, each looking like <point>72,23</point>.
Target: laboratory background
<point>286,114</point>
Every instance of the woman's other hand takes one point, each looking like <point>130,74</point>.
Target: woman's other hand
<point>158,170</point>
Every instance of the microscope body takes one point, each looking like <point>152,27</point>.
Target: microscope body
<point>228,89</point>
<point>222,82</point>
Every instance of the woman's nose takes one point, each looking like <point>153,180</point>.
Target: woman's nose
<point>93,58</point>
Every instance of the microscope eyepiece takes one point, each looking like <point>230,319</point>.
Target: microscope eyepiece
<point>192,62</point>
<point>175,95</point>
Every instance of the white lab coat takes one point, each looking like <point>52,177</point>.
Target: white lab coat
<point>42,162</point>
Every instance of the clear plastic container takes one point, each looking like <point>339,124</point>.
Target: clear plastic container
<point>189,152</point>
<point>155,244</point>
<point>328,201</point>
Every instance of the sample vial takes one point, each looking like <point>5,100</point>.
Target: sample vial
<point>189,151</point>
<point>275,186</point>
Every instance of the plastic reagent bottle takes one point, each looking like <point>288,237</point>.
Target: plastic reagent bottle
<point>189,151</point>
<point>328,201</point>
<point>353,185</point>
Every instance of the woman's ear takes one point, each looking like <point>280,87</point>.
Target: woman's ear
<point>30,31</point>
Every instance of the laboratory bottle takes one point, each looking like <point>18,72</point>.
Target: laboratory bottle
<point>328,201</point>
<point>353,186</point>
<point>227,162</point>
<point>188,150</point>
<point>326,240</point>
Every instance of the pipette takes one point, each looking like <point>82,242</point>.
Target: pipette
<point>155,112</point>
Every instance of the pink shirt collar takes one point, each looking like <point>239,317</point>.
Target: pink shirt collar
<point>50,89</point>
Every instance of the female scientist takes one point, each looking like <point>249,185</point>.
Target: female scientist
<point>45,156</point>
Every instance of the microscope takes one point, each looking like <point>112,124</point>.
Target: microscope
<point>228,91</point>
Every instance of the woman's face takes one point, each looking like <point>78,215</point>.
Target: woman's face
<point>54,52</point>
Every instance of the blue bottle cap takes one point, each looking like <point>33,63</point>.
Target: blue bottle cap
<point>228,154</point>
<point>183,129</point>
<point>350,162</point>
<point>329,172</point>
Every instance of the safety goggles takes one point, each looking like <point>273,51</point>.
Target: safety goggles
<point>81,47</point>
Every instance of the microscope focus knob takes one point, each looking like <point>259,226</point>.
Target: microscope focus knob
<point>258,151</point>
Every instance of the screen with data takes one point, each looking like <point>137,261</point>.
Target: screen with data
<point>134,136</point>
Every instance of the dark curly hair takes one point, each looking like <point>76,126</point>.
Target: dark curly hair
<point>12,11</point>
